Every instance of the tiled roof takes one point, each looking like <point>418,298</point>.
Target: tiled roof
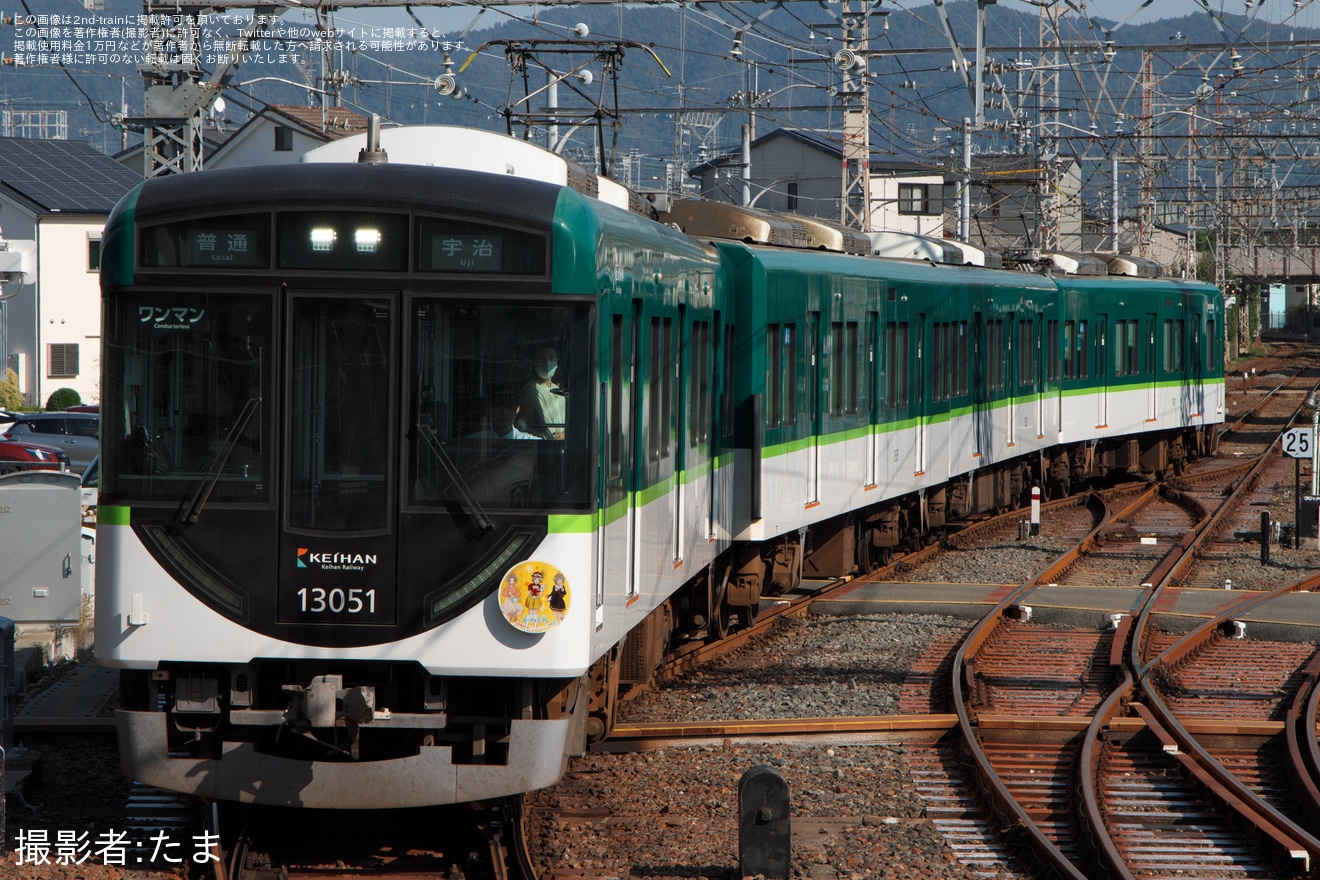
<point>339,121</point>
<point>68,176</point>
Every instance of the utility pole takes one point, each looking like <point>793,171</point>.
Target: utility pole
<point>176,96</point>
<point>1047,92</point>
<point>855,209</point>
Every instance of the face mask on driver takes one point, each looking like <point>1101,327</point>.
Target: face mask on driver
<point>546,369</point>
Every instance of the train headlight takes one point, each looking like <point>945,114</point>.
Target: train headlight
<point>367,240</point>
<point>323,238</point>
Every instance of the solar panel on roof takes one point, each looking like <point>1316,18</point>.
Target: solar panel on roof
<point>63,175</point>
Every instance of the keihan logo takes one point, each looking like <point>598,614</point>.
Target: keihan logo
<point>344,561</point>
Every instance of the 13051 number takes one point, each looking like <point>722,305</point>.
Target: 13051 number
<point>318,600</point>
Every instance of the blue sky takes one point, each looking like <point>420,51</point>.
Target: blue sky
<point>456,20</point>
<point>1117,10</point>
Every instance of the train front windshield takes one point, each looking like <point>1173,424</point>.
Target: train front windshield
<point>500,406</point>
<point>491,399</point>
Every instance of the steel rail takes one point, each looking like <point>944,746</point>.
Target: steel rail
<point>1303,748</point>
<point>1218,779</point>
<point>1089,769</point>
<point>963,674</point>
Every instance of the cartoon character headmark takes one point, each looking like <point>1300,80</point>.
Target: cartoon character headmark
<point>531,604</point>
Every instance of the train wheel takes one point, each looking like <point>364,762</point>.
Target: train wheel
<point>722,622</point>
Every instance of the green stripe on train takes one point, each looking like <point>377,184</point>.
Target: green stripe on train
<point>112,515</point>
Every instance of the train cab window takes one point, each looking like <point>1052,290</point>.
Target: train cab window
<point>206,355</point>
<point>499,405</point>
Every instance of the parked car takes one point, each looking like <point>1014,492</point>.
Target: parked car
<point>78,434</point>
<point>22,455</point>
<point>91,481</point>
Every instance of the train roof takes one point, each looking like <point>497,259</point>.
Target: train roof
<point>895,270</point>
<point>474,149</point>
<point>356,185</point>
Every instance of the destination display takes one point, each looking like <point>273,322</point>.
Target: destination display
<point>468,248</point>
<point>237,242</point>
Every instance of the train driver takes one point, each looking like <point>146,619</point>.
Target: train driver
<point>541,403</point>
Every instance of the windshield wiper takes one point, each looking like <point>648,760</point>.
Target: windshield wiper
<point>203,493</point>
<point>466,499</point>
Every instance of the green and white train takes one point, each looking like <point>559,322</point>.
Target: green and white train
<point>409,470</point>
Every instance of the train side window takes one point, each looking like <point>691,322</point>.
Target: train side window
<point>838,368</point>
<point>1069,349</point>
<point>1026,353</point>
<point>699,390</point>
<point>1083,364</point>
<point>655,427</point>
<point>896,363</point>
<point>961,359</point>
<point>773,376</point>
<point>1052,364</point>
<point>1211,343</point>
<point>994,354</point>
<point>853,359</point>
<point>616,398</point>
<point>670,367</point>
<point>790,361</point>
<point>1173,345</point>
<point>1125,348</point>
<point>939,361</point>
<point>1132,351</point>
<point>728,400</point>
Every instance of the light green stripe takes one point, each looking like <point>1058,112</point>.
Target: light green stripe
<point>571,524</point>
<point>112,515</point>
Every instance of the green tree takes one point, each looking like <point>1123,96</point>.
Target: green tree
<point>10,397</point>
<point>61,399</point>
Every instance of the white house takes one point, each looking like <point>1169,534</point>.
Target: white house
<point>278,134</point>
<point>56,194</point>
<point>800,171</point>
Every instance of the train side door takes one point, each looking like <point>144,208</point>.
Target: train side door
<point>1102,370</point>
<point>339,537</point>
<point>682,364</point>
<point>872,396</point>
<point>814,397</point>
<point>978,385</point>
<point>923,411</point>
<point>1009,341</point>
<point>618,402</point>
<point>1194,365</point>
<point>1038,373</point>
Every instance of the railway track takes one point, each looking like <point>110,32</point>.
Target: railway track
<point>1088,724</point>
<point>1056,720</point>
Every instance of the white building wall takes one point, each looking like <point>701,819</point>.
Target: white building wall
<point>69,311</point>
<point>884,205</point>
<point>256,146</point>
